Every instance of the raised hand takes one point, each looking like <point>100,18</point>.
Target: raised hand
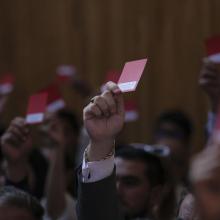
<point>209,80</point>
<point>104,119</point>
<point>15,142</point>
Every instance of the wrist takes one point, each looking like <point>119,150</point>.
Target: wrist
<point>98,150</point>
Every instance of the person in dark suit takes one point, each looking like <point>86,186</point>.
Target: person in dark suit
<point>137,185</point>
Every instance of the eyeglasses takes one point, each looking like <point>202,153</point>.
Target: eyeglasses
<point>157,150</point>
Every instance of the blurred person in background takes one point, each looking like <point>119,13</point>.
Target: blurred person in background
<point>23,166</point>
<point>205,180</point>
<point>209,80</point>
<point>18,205</point>
<point>62,130</point>
<point>62,133</point>
<point>174,129</point>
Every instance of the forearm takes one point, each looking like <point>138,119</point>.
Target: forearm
<point>56,186</point>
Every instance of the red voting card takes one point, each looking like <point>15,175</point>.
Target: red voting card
<point>213,48</point>
<point>65,73</point>
<point>131,75</point>
<point>113,76</point>
<point>131,111</point>
<point>7,83</point>
<point>36,108</point>
<point>55,100</point>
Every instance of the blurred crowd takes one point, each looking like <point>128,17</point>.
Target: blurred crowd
<point>67,168</point>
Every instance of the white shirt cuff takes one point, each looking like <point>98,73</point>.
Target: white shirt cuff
<point>97,170</point>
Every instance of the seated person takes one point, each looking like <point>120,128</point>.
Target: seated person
<point>18,205</point>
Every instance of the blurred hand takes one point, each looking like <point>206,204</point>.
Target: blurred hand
<point>209,80</point>
<point>104,119</point>
<point>15,142</point>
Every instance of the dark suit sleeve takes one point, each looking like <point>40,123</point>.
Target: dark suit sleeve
<point>98,200</point>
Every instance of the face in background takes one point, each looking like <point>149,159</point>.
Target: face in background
<point>57,130</point>
<point>207,193</point>
<point>180,150</point>
<point>133,187</point>
<point>12,213</point>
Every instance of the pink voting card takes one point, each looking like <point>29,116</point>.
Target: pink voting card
<point>213,48</point>
<point>36,108</point>
<point>131,75</point>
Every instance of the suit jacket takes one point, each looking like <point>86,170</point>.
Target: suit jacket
<point>98,200</point>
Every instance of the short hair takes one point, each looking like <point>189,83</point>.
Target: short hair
<point>178,118</point>
<point>155,171</point>
<point>11,196</point>
<point>70,117</point>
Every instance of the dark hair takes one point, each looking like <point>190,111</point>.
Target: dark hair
<point>154,169</point>
<point>70,117</point>
<point>178,118</point>
<point>10,196</point>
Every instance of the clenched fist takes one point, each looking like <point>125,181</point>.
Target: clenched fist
<point>103,120</point>
<point>16,142</point>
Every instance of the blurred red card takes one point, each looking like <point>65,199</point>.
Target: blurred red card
<point>131,75</point>
<point>55,100</point>
<point>65,73</point>
<point>7,83</point>
<point>36,108</point>
<point>131,111</point>
<point>213,48</point>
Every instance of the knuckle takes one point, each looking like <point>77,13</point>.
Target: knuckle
<point>98,99</point>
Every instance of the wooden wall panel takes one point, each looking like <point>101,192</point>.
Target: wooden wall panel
<point>36,36</point>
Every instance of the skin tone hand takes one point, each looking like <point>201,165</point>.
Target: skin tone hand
<point>16,142</point>
<point>209,80</point>
<point>103,120</point>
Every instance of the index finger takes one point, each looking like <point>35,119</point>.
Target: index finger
<point>113,87</point>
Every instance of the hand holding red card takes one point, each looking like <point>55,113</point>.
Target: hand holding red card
<point>36,108</point>
<point>131,75</point>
